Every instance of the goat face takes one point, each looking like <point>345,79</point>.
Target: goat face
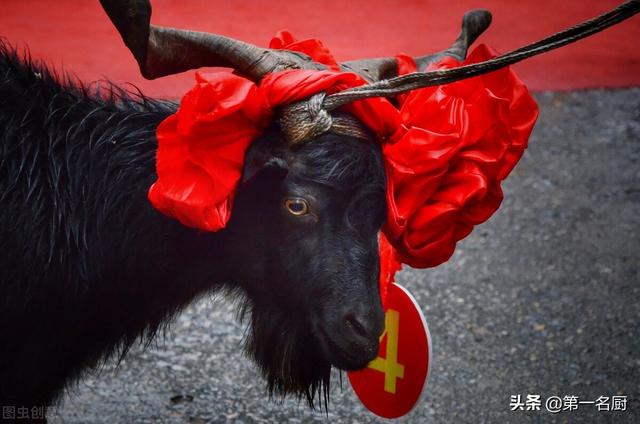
<point>305,225</point>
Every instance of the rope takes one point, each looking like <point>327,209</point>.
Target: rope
<point>305,120</point>
<point>402,84</point>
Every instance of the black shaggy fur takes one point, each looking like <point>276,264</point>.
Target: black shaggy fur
<point>88,267</point>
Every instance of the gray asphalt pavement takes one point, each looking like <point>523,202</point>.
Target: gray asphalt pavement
<point>542,299</point>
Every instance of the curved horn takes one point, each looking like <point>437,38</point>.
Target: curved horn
<point>474,23</point>
<point>163,51</point>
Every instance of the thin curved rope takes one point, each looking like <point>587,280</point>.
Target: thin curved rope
<point>404,83</point>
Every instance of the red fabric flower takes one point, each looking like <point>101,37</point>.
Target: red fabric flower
<point>444,171</point>
<point>446,149</point>
<point>201,150</point>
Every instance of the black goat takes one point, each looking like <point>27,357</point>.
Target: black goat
<point>88,266</point>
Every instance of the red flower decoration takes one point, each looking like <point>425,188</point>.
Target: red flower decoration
<point>446,149</point>
<point>201,150</point>
<point>444,171</point>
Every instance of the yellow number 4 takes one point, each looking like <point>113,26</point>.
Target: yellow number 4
<point>389,366</point>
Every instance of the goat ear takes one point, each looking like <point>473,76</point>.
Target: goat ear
<point>256,164</point>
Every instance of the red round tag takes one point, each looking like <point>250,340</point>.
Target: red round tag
<point>392,384</point>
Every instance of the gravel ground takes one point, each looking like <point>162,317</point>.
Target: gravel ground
<point>543,299</point>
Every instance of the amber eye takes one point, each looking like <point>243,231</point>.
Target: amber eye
<point>297,206</point>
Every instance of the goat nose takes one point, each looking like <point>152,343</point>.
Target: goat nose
<point>365,325</point>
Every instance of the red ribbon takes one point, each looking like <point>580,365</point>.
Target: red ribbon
<point>446,148</point>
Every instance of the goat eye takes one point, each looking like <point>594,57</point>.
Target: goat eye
<point>297,206</point>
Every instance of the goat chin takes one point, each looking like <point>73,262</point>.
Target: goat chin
<point>287,353</point>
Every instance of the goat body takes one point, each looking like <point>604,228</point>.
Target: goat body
<point>87,264</point>
<point>89,267</point>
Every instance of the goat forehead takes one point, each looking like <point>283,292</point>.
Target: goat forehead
<point>339,161</point>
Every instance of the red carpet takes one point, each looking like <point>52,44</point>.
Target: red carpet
<point>77,35</point>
